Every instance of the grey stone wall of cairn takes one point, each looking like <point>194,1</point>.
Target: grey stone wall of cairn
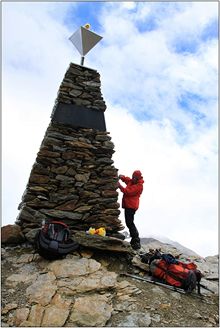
<point>73,178</point>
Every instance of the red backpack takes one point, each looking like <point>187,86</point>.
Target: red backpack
<point>176,273</point>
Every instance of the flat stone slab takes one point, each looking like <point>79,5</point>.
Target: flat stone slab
<point>103,243</point>
<point>91,311</point>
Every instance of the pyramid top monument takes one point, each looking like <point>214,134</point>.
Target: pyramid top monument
<point>84,40</point>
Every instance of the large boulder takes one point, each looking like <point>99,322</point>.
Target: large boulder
<point>31,234</point>
<point>11,234</point>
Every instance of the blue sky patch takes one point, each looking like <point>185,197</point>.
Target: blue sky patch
<point>186,46</point>
<point>149,24</point>
<point>156,14</point>
<point>182,133</point>
<point>211,31</point>
<point>84,12</point>
<point>189,103</point>
<point>142,116</point>
<point>190,45</point>
<point>190,97</point>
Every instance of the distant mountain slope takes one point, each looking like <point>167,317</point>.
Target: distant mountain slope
<point>163,242</point>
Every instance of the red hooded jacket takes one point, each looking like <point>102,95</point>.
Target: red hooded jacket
<point>131,192</point>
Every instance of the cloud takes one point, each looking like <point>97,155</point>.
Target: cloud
<point>174,148</point>
<point>149,57</point>
<point>180,192</point>
<point>161,103</point>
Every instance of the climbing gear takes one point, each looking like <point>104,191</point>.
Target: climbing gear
<point>206,288</point>
<point>173,288</point>
<point>147,258</point>
<point>150,280</point>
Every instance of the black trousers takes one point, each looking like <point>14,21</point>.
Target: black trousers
<point>129,220</point>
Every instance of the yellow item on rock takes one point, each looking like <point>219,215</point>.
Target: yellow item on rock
<point>91,231</point>
<point>100,231</point>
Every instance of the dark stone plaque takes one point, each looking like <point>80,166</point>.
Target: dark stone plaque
<point>79,116</point>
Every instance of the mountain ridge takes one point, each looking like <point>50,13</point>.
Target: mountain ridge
<point>166,241</point>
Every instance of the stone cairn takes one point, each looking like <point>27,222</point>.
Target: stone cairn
<point>73,178</point>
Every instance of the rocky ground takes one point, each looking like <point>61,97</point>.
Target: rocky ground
<point>88,289</point>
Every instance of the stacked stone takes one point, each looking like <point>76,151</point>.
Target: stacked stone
<point>81,86</point>
<point>73,178</point>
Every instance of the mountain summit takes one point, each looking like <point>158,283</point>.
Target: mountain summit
<point>88,288</point>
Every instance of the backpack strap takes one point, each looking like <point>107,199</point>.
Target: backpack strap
<point>62,235</point>
<point>198,277</point>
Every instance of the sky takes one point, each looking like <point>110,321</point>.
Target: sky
<point>158,63</point>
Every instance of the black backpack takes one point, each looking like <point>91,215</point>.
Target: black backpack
<point>53,240</point>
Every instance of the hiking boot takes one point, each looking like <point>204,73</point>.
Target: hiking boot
<point>136,246</point>
<point>135,243</point>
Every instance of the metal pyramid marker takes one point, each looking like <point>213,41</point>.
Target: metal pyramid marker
<point>84,40</point>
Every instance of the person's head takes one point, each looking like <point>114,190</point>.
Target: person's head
<point>137,175</point>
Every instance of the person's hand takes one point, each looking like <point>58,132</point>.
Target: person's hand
<point>120,176</point>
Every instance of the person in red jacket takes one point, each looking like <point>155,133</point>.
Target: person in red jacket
<point>130,203</point>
